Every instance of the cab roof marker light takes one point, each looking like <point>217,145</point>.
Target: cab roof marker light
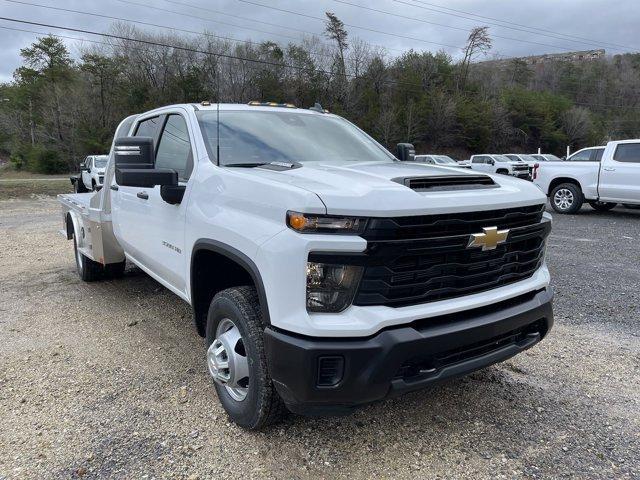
<point>256,103</point>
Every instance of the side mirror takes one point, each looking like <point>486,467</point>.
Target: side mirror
<point>405,152</point>
<point>146,177</point>
<point>492,162</point>
<point>134,161</point>
<point>134,152</point>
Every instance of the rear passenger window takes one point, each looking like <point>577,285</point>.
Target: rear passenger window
<point>597,156</point>
<point>480,159</point>
<point>174,149</point>
<point>627,152</point>
<point>147,128</point>
<point>583,156</point>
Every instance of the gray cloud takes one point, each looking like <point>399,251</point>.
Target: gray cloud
<point>603,22</point>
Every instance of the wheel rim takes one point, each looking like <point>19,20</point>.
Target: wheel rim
<point>563,199</point>
<point>227,360</point>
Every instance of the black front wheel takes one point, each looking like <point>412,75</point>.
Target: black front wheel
<point>602,206</point>
<point>237,361</point>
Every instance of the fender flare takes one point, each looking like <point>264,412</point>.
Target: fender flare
<point>238,257</point>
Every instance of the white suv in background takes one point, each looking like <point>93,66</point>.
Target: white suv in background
<point>492,163</point>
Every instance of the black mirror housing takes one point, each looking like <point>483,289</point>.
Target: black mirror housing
<point>134,152</point>
<point>406,152</point>
<point>146,177</point>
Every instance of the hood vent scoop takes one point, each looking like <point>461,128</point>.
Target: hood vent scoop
<point>447,183</point>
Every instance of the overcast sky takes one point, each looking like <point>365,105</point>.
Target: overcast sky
<point>598,23</point>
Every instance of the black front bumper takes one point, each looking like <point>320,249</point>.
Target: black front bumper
<point>403,359</point>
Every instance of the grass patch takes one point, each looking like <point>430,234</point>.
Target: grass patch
<point>26,188</point>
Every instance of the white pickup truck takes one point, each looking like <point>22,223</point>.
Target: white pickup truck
<point>324,272</point>
<point>602,177</point>
<point>501,164</point>
<point>91,174</point>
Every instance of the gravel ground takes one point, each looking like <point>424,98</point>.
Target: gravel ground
<point>108,380</point>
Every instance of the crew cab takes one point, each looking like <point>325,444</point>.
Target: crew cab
<point>600,176</point>
<point>91,174</point>
<point>443,160</point>
<point>499,164</point>
<point>323,271</point>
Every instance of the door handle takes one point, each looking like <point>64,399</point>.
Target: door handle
<point>114,188</point>
<point>142,195</point>
<point>609,169</point>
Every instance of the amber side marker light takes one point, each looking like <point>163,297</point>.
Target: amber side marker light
<point>297,221</point>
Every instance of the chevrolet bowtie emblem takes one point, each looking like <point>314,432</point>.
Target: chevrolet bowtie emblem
<point>490,239</point>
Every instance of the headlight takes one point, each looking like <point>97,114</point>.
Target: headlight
<point>330,288</point>
<point>307,223</point>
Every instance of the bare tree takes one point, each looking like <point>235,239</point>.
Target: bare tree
<point>334,29</point>
<point>576,123</point>
<point>478,42</point>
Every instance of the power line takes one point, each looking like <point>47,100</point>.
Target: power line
<point>508,24</point>
<point>184,4</point>
<point>444,25</point>
<point>306,15</point>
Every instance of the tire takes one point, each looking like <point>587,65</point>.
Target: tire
<point>502,171</point>
<point>78,186</point>
<point>115,270</point>
<point>567,198</point>
<point>88,270</point>
<point>235,325</point>
<point>602,206</point>
<point>93,185</point>
<point>632,206</point>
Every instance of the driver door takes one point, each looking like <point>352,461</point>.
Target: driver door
<point>153,228</point>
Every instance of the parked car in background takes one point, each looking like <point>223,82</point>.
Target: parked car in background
<point>526,158</point>
<point>492,163</point>
<point>546,157</point>
<point>601,176</point>
<point>91,176</point>
<point>443,160</point>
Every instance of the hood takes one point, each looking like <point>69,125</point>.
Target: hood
<point>369,189</point>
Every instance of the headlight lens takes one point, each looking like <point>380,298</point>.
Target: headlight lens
<point>330,288</point>
<point>308,223</point>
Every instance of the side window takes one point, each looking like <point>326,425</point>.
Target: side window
<point>597,154</point>
<point>174,149</point>
<point>147,128</point>
<point>478,159</point>
<point>627,152</point>
<point>583,156</point>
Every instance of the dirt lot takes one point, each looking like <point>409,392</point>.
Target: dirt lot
<point>108,380</point>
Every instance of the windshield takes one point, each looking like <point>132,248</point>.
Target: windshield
<point>528,158</point>
<point>552,158</point>
<point>256,137</point>
<point>444,159</point>
<point>101,161</point>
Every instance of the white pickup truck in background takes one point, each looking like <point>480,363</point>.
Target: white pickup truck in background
<point>491,163</point>
<point>324,272</point>
<point>91,176</point>
<point>600,176</point>
<point>443,160</point>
